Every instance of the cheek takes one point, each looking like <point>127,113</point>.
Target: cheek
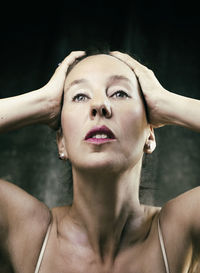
<point>133,119</point>
<point>133,126</point>
<point>72,124</point>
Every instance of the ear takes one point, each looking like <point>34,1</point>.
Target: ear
<point>61,145</point>
<point>150,143</point>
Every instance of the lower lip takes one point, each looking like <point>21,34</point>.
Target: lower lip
<point>99,140</point>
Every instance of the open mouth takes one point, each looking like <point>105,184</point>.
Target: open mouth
<point>100,135</point>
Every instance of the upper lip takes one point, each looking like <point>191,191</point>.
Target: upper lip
<point>100,130</point>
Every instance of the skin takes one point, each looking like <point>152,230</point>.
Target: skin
<point>113,168</point>
<point>106,229</point>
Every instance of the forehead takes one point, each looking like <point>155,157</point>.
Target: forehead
<point>98,67</point>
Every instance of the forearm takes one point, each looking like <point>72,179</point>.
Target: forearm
<point>183,111</point>
<point>22,110</point>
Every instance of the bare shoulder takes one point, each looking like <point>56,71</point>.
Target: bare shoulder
<point>16,205</point>
<point>180,222</point>
<point>23,223</point>
<point>185,207</point>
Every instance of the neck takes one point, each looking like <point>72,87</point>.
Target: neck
<point>105,206</point>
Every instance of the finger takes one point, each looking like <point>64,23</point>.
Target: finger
<point>72,57</point>
<point>137,67</point>
<point>126,58</point>
<point>63,66</point>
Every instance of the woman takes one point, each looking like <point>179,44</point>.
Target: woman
<point>107,124</point>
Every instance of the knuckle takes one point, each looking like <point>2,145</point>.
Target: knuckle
<point>127,58</point>
<point>72,54</point>
<point>146,69</point>
<point>115,52</point>
<point>126,55</point>
<point>119,54</point>
<point>150,71</point>
<point>77,53</point>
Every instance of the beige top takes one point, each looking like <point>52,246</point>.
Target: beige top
<point>164,254</point>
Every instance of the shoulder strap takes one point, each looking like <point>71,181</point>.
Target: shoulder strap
<point>42,250</point>
<point>163,247</point>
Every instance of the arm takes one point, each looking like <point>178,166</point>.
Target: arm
<point>16,205</point>
<point>181,216</point>
<point>42,105</point>
<point>22,110</point>
<point>39,106</point>
<point>23,224</point>
<point>163,107</point>
<point>182,111</point>
<point>19,211</point>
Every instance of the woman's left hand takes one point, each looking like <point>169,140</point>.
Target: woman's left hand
<point>153,92</point>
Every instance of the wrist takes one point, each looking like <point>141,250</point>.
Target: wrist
<point>26,109</point>
<point>39,106</point>
<point>173,106</point>
<point>50,107</point>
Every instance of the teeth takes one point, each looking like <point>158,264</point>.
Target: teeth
<point>100,136</point>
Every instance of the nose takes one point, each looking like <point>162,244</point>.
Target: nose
<point>101,109</point>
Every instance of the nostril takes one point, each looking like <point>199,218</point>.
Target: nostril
<point>101,110</point>
<point>104,112</point>
<point>94,112</point>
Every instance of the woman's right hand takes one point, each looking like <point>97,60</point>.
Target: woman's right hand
<point>53,90</point>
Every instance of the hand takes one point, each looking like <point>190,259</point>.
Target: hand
<point>154,93</point>
<point>54,88</point>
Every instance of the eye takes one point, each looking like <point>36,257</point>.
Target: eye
<point>80,97</point>
<point>120,94</point>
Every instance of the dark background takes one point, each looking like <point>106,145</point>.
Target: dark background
<point>35,37</point>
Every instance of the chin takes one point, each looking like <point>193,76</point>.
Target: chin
<point>101,163</point>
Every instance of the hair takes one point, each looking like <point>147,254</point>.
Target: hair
<point>91,51</point>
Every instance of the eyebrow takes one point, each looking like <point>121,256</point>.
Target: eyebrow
<point>76,82</point>
<point>110,80</point>
<point>119,78</point>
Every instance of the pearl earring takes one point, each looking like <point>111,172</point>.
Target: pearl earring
<point>61,156</point>
<point>148,145</point>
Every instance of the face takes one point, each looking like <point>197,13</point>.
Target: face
<point>103,91</point>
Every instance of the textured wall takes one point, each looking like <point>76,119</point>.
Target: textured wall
<point>161,35</point>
